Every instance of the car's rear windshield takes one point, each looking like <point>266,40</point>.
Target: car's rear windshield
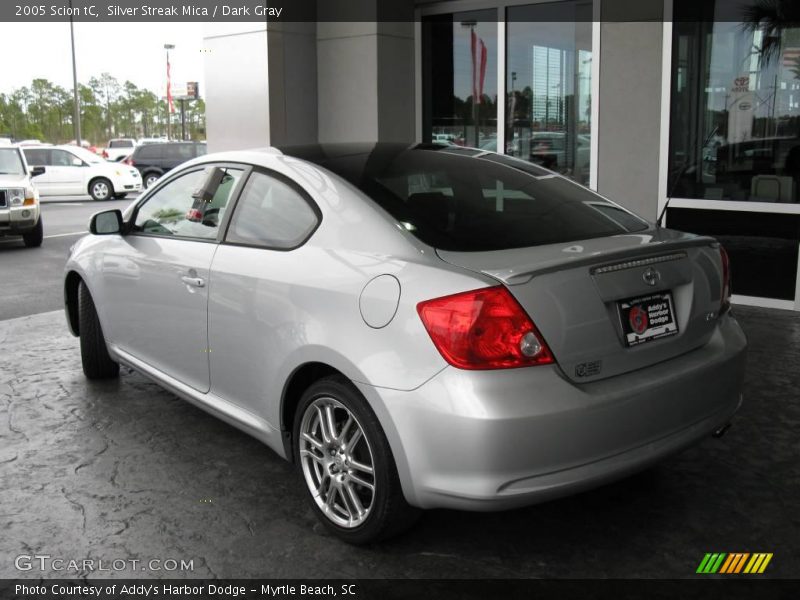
<point>120,144</point>
<point>466,200</point>
<point>11,162</point>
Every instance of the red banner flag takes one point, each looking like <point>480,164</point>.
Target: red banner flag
<point>479,56</point>
<point>170,104</point>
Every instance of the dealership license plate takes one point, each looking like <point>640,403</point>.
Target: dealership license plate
<point>647,318</point>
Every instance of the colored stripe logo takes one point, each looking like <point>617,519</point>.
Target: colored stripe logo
<point>734,563</point>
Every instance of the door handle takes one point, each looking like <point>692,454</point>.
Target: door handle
<point>194,281</point>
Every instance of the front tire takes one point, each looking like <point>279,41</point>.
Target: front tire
<point>101,189</point>
<point>33,239</point>
<point>346,465</point>
<point>97,363</point>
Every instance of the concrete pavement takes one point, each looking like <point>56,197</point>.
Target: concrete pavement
<point>125,470</point>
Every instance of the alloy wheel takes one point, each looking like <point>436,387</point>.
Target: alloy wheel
<point>101,190</point>
<point>337,462</point>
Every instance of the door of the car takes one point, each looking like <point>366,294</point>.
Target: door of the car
<point>67,173</point>
<point>40,157</point>
<point>156,277</point>
<point>256,300</point>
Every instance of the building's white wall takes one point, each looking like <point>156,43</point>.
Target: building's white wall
<point>347,81</point>
<point>630,108</point>
<point>237,89</point>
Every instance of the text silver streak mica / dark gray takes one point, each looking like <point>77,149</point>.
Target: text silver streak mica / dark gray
<point>415,327</point>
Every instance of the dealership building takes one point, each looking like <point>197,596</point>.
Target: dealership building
<point>688,100</point>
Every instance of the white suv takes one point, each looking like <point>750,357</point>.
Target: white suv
<point>73,171</point>
<point>19,199</point>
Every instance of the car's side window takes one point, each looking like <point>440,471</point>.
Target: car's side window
<point>37,157</point>
<point>173,211</point>
<point>272,214</point>
<point>61,158</point>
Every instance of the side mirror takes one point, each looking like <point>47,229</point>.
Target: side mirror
<point>106,223</point>
<point>36,171</point>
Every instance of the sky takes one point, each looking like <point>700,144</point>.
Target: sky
<point>128,51</point>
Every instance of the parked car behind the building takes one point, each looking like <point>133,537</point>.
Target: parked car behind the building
<point>74,171</point>
<point>426,326</point>
<point>153,160</point>
<point>19,198</point>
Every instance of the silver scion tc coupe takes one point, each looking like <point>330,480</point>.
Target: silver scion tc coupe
<point>414,327</point>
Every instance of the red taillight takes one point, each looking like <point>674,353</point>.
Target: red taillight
<point>725,300</point>
<point>128,161</point>
<point>105,154</point>
<point>484,329</point>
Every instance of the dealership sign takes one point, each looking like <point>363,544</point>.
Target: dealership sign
<point>740,110</point>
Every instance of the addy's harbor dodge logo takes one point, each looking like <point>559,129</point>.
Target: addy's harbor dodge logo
<point>734,563</point>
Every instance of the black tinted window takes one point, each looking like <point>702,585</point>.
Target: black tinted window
<point>471,202</point>
<point>178,151</point>
<point>38,157</point>
<point>120,144</point>
<point>271,213</point>
<point>150,151</point>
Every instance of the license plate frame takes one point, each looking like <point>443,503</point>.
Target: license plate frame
<point>637,315</point>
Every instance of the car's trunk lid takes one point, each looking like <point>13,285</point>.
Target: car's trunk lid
<point>578,296</point>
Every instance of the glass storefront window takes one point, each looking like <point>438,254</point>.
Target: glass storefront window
<point>735,113</point>
<point>548,86</point>
<point>460,78</point>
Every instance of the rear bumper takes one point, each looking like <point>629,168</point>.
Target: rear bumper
<point>491,440</point>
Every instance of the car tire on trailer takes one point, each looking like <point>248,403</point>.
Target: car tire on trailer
<point>33,239</point>
<point>346,465</point>
<point>101,189</point>
<point>150,180</point>
<point>97,364</point>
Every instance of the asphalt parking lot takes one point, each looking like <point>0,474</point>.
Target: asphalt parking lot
<point>124,470</point>
<point>31,277</point>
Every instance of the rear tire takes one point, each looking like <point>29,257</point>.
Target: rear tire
<point>33,239</point>
<point>337,473</point>
<point>150,179</point>
<point>97,363</point>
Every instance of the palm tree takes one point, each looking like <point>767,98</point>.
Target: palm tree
<point>773,17</point>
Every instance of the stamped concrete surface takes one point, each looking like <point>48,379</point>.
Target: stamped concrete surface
<point>122,470</point>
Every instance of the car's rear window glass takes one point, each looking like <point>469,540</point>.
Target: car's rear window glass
<point>470,201</point>
<point>120,144</point>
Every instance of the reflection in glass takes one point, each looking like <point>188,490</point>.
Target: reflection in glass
<point>735,116</point>
<point>460,78</point>
<point>548,86</point>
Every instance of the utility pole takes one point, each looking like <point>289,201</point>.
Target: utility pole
<point>76,119</point>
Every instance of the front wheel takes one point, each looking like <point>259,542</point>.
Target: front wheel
<point>101,189</point>
<point>97,363</point>
<point>347,466</point>
<point>33,239</point>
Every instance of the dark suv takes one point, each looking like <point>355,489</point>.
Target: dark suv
<point>153,160</point>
